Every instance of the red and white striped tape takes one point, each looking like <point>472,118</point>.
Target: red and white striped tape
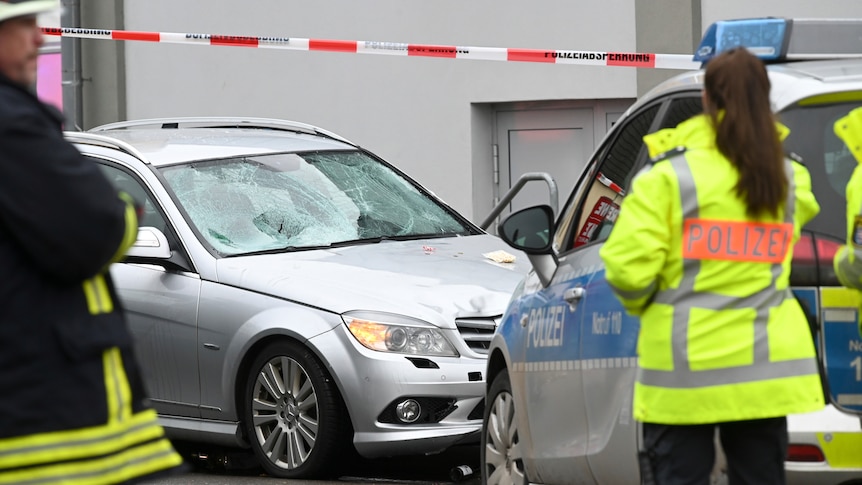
<point>587,58</point>
<point>610,184</point>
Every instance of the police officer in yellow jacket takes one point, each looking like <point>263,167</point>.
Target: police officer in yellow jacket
<point>72,409</point>
<point>848,260</point>
<point>701,252</point>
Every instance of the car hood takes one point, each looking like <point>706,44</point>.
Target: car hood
<point>436,280</point>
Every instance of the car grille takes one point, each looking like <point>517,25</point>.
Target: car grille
<point>477,332</point>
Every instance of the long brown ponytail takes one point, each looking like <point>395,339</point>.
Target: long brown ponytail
<point>737,85</point>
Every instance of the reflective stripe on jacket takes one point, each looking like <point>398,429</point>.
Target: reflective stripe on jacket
<point>128,444</point>
<point>721,338</point>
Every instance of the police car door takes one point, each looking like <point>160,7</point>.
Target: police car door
<point>553,393</point>
<point>834,310</point>
<point>556,394</point>
<point>608,339</point>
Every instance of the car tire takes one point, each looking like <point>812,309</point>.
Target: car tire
<point>293,415</point>
<point>501,460</point>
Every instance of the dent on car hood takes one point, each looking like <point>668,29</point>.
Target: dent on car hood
<point>426,279</point>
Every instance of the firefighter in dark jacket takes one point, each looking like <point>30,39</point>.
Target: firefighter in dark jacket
<point>72,408</point>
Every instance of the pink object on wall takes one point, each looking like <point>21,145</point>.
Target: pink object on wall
<point>49,80</point>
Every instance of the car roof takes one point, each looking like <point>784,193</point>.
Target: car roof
<point>791,81</point>
<point>169,141</point>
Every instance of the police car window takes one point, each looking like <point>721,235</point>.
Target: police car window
<point>681,109</point>
<point>827,159</point>
<point>600,206</point>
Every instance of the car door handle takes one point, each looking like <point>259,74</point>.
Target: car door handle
<point>573,296</point>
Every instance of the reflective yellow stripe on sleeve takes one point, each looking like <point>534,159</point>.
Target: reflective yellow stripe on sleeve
<point>98,297</point>
<point>117,387</point>
<point>131,233</point>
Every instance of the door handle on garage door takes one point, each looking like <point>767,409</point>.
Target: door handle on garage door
<point>573,296</point>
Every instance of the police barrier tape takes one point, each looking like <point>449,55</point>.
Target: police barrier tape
<point>587,58</point>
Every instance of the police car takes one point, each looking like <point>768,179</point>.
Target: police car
<point>562,363</point>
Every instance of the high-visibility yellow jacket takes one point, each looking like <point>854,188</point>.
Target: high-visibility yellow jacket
<point>722,338</point>
<point>848,260</point>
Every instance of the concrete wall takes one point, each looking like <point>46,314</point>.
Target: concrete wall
<point>103,62</point>
<point>665,27</point>
<point>431,117</point>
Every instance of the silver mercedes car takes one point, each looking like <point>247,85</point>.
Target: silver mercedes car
<point>293,293</point>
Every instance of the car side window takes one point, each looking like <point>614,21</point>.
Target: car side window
<point>591,217</point>
<point>126,182</point>
<point>681,109</point>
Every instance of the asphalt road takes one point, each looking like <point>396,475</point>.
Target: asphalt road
<point>229,467</point>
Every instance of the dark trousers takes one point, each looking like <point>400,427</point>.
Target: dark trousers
<point>685,454</point>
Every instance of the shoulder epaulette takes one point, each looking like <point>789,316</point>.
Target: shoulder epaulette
<point>795,157</point>
<point>668,154</point>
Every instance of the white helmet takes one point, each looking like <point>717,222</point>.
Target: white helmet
<point>19,8</point>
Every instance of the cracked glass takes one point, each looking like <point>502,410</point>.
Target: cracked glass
<point>293,201</point>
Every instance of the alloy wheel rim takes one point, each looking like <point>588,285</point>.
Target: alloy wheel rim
<point>285,413</point>
<point>503,460</point>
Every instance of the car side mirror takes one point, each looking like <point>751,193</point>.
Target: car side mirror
<point>529,230</point>
<point>150,244</point>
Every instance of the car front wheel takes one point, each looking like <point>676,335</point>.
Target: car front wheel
<point>502,462</point>
<point>293,414</point>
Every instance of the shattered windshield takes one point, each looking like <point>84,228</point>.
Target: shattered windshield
<point>300,200</point>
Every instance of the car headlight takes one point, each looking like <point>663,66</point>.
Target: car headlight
<point>398,334</point>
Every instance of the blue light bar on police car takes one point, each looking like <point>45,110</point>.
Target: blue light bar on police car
<point>778,39</point>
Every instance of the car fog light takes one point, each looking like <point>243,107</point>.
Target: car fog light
<point>408,411</point>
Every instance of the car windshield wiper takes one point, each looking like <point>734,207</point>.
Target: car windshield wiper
<point>349,242</point>
<point>284,249</point>
<point>404,237</point>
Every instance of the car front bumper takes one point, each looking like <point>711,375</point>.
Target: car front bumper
<point>372,382</point>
